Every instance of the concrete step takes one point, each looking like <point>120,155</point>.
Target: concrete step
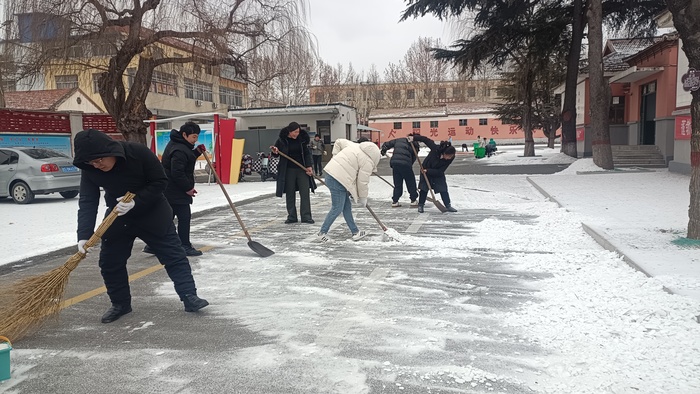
<point>640,165</point>
<point>634,147</point>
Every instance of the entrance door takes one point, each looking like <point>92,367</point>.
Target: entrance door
<point>323,128</point>
<point>647,113</point>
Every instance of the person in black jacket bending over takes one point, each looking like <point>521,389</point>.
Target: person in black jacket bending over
<point>402,168</point>
<point>294,142</point>
<point>439,158</point>
<point>179,158</point>
<point>120,167</point>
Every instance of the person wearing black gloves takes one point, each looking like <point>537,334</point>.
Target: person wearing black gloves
<point>119,167</point>
<point>294,142</point>
<point>402,168</point>
<point>434,165</point>
<point>179,158</point>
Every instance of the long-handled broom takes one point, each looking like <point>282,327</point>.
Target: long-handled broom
<point>27,304</point>
<point>385,236</point>
<point>392,185</point>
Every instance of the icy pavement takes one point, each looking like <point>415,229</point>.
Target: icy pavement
<point>508,295</point>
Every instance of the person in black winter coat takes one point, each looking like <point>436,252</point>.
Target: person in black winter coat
<point>402,168</point>
<point>120,167</point>
<point>294,142</point>
<point>434,165</point>
<point>179,158</point>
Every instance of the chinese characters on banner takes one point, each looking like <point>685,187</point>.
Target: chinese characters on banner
<point>683,128</point>
<point>580,134</point>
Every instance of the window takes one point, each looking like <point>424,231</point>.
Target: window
<point>462,122</point>
<point>617,110</point>
<point>416,125</point>
<point>427,92</point>
<point>411,94</point>
<point>100,49</point>
<point>457,92</point>
<point>379,95</point>
<point>9,86</point>
<point>483,122</point>
<point>442,93</point>
<point>75,51</point>
<point>487,91</point>
<point>349,95</point>
<point>257,128</point>
<point>320,97</point>
<point>96,82</point>
<point>8,157</point>
<point>231,97</point>
<point>164,83</point>
<point>433,123</point>
<point>333,97</point>
<point>66,81</point>
<point>130,75</point>
<point>397,125</point>
<point>198,90</point>
<point>471,91</point>
<point>396,94</point>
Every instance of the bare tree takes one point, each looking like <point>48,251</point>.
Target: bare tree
<point>686,19</point>
<point>212,32</point>
<point>423,69</point>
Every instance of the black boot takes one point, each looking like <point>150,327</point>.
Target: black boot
<point>420,208</point>
<point>190,251</point>
<point>449,208</point>
<point>115,312</point>
<point>193,303</point>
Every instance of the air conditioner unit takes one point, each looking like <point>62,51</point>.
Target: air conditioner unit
<point>198,103</point>
<point>214,105</point>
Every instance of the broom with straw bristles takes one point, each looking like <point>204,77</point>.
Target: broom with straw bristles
<point>27,304</point>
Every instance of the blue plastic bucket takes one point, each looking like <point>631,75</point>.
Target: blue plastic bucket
<point>5,347</point>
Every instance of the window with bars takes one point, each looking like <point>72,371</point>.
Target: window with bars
<point>231,97</point>
<point>442,93</point>
<point>411,94</point>
<point>433,123</point>
<point>471,91</point>
<point>9,85</point>
<point>457,92</point>
<point>198,90</point>
<point>462,122</point>
<point>397,125</point>
<point>416,125</point>
<point>66,81</point>
<point>101,49</point>
<point>96,82</point>
<point>164,83</point>
<point>483,122</point>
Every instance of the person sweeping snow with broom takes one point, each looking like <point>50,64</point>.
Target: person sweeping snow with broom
<point>120,167</point>
<point>434,166</point>
<point>348,174</point>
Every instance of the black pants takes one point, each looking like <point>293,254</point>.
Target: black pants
<point>424,196</point>
<point>296,178</point>
<point>116,250</point>
<point>318,169</point>
<point>184,217</point>
<point>404,174</point>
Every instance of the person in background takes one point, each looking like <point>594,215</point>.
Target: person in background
<point>119,167</point>
<point>465,148</point>
<point>294,142</point>
<point>491,147</point>
<point>402,168</point>
<point>179,159</point>
<point>347,174</point>
<point>434,166</point>
<point>318,149</point>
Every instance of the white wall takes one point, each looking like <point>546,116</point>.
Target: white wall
<point>683,98</point>
<point>345,116</point>
<point>85,105</point>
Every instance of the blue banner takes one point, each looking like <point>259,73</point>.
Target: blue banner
<point>55,142</point>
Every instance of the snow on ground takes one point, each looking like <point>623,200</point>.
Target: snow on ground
<point>640,213</point>
<point>508,155</point>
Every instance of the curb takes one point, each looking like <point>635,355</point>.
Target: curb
<point>599,237</point>
<point>27,261</point>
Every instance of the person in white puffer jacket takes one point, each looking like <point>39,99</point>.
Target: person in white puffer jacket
<point>347,174</point>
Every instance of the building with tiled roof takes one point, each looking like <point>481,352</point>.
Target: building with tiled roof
<point>56,100</point>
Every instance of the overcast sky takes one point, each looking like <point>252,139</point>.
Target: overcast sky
<point>367,31</point>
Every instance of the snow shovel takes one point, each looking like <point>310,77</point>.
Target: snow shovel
<point>437,203</point>
<point>300,166</point>
<point>255,246</point>
<point>392,186</point>
<point>385,236</point>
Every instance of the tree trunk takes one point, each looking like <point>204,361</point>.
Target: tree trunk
<point>599,97</point>
<point>527,115</point>
<point>568,134</point>
<point>686,20</point>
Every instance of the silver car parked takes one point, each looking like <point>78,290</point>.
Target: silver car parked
<point>26,172</point>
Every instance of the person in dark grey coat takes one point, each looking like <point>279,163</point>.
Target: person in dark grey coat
<point>179,158</point>
<point>402,168</point>
<point>120,167</point>
<point>434,166</point>
<point>294,142</point>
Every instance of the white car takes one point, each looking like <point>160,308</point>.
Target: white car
<point>26,172</point>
